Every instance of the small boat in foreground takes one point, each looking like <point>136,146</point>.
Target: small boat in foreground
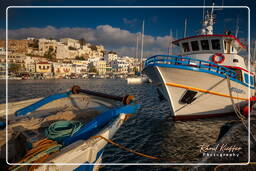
<point>137,80</point>
<point>207,79</point>
<point>67,128</point>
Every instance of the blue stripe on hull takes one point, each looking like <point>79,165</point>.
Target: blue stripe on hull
<point>88,166</point>
<point>198,70</point>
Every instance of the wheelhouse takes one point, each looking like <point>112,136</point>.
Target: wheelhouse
<point>227,44</point>
<point>220,49</point>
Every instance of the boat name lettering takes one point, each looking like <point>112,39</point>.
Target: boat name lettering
<point>237,90</point>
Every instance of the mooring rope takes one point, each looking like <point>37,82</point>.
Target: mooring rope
<point>132,151</point>
<point>238,113</point>
<point>241,118</point>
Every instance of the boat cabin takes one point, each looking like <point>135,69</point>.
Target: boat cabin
<point>220,49</point>
<point>227,44</point>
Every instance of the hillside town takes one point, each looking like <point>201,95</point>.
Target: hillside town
<point>42,58</point>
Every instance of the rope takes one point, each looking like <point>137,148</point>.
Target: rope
<point>215,169</point>
<point>39,153</point>
<point>237,111</point>
<point>240,116</point>
<point>131,151</point>
<point>57,131</point>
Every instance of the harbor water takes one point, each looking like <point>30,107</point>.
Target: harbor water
<point>150,131</point>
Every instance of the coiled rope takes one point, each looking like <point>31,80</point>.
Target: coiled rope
<point>41,151</point>
<point>59,130</point>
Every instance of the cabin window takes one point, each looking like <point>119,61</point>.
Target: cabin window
<point>205,45</point>
<point>246,79</point>
<point>195,45</point>
<point>185,47</point>
<point>239,75</point>
<point>216,44</point>
<point>235,60</point>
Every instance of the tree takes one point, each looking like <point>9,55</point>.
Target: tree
<point>49,54</point>
<point>93,47</point>
<point>82,41</point>
<point>79,58</point>
<point>135,69</point>
<point>93,69</point>
<point>71,48</point>
<point>15,68</point>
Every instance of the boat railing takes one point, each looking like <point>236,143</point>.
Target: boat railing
<point>189,62</point>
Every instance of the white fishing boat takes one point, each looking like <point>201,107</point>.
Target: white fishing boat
<point>66,131</point>
<point>207,78</point>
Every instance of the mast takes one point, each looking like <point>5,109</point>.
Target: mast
<point>137,45</point>
<point>208,21</point>
<point>185,28</point>
<point>170,43</point>
<point>237,26</point>
<point>141,52</point>
<point>203,11</point>
<point>254,50</point>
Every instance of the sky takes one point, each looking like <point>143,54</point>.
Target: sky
<point>117,28</point>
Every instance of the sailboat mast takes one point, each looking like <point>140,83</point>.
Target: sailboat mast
<point>141,53</point>
<point>185,28</point>
<point>170,44</point>
<point>137,46</point>
<point>237,26</point>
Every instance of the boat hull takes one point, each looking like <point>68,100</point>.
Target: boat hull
<point>174,83</point>
<point>80,155</point>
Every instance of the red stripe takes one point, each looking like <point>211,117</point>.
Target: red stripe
<point>236,67</point>
<point>193,117</point>
<point>231,36</point>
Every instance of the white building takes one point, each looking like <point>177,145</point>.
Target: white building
<point>120,65</point>
<point>44,45</point>
<point>62,51</point>
<point>71,42</point>
<point>111,56</point>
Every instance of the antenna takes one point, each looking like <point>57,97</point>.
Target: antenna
<point>203,11</point>
<point>237,26</point>
<point>185,28</point>
<point>141,52</point>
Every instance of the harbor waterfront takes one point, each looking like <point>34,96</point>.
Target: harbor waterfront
<point>150,131</point>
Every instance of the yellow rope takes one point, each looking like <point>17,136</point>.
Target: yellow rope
<point>204,91</point>
<point>129,150</point>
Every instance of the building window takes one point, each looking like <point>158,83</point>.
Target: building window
<point>40,67</point>
<point>216,44</point>
<point>205,44</point>
<point>48,67</point>
<point>185,47</point>
<point>195,46</point>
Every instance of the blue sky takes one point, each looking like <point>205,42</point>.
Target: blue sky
<point>116,28</point>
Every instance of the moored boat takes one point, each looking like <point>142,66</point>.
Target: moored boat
<point>64,131</point>
<point>207,79</point>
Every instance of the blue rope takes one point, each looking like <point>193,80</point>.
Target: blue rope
<point>59,130</point>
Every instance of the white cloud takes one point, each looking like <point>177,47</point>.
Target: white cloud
<point>122,41</point>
